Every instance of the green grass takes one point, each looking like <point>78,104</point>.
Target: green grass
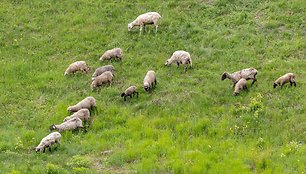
<point>190,123</point>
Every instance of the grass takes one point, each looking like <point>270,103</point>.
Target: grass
<point>190,123</point>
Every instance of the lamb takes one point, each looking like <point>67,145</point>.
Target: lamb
<point>77,66</point>
<point>47,141</point>
<point>149,81</point>
<point>130,91</point>
<point>113,53</point>
<point>106,77</point>
<point>88,103</point>
<point>72,124</point>
<point>289,77</point>
<point>240,85</point>
<point>180,57</point>
<point>82,114</point>
<point>249,73</point>
<point>103,69</point>
<point>145,19</point>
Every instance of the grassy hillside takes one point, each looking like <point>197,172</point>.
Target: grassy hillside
<point>190,123</point>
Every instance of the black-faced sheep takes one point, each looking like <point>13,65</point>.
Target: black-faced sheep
<point>104,78</point>
<point>82,114</point>
<point>145,19</point>
<point>103,69</point>
<point>130,91</point>
<point>71,124</point>
<point>88,103</point>
<point>240,85</point>
<point>47,141</point>
<point>77,66</point>
<point>113,53</point>
<point>249,73</point>
<point>149,81</point>
<point>180,57</point>
<point>289,77</point>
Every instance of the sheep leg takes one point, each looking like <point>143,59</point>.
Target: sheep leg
<point>130,96</point>
<point>294,84</point>
<point>178,64</point>
<point>156,26</point>
<point>137,94</point>
<point>44,150</point>
<point>145,28</point>
<point>49,148</point>
<point>155,81</point>
<point>140,30</point>
<point>124,98</point>
<point>185,67</point>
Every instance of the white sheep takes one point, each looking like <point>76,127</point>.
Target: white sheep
<point>180,57</point>
<point>145,19</point>
<point>103,69</point>
<point>249,73</point>
<point>130,91</point>
<point>77,66</point>
<point>47,141</point>
<point>72,124</point>
<point>88,103</point>
<point>104,78</point>
<point>113,53</point>
<point>82,114</point>
<point>240,85</point>
<point>289,77</point>
<point>149,81</point>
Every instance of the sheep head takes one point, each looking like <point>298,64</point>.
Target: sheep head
<point>146,86</point>
<point>52,127</point>
<point>274,85</point>
<point>130,26</point>
<point>224,76</point>
<point>123,94</point>
<point>168,62</point>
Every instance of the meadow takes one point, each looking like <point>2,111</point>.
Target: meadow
<point>190,123</point>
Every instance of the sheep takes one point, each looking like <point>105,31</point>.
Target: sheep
<point>82,114</point>
<point>77,66</point>
<point>289,77</point>
<point>106,77</point>
<point>71,124</point>
<point>145,19</point>
<point>180,57</point>
<point>47,141</point>
<point>240,85</point>
<point>113,53</point>
<point>130,91</point>
<point>149,81</point>
<point>88,103</point>
<point>249,73</point>
<point>103,69</point>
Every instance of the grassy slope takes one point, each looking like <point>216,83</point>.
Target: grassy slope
<point>190,122</point>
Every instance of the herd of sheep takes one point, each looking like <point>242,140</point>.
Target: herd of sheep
<point>105,74</point>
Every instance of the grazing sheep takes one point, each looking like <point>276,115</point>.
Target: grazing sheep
<point>77,66</point>
<point>249,73</point>
<point>131,91</point>
<point>113,53</point>
<point>106,77</point>
<point>145,19</point>
<point>289,77</point>
<point>149,81</point>
<point>47,141</point>
<point>103,69</point>
<point>82,114</point>
<point>240,85</point>
<point>87,103</point>
<point>180,57</point>
<point>71,124</point>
